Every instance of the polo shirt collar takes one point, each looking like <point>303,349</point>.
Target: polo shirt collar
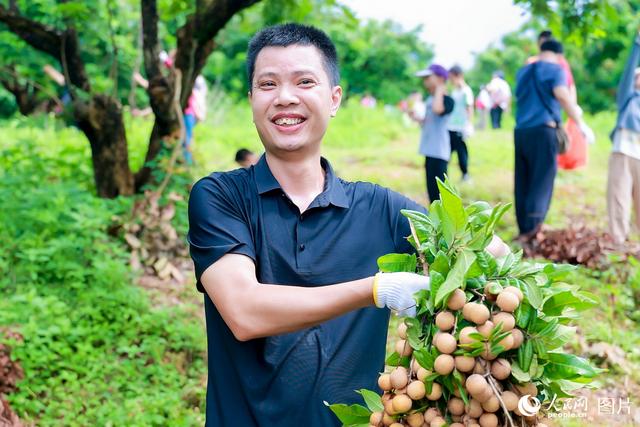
<point>333,189</point>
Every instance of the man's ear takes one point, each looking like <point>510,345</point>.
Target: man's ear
<point>249,95</point>
<point>336,99</point>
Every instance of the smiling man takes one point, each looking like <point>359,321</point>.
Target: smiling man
<point>285,252</point>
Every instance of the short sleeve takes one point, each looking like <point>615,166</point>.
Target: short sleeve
<point>448,105</point>
<point>559,77</point>
<point>217,225</point>
<point>400,228</point>
<point>468,94</point>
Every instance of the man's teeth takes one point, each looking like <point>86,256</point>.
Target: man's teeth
<point>288,121</point>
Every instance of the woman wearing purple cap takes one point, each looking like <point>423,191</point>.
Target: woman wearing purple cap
<point>435,143</point>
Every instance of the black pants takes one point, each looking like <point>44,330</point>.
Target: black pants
<point>434,168</point>
<point>535,170</point>
<point>496,117</point>
<point>459,146</point>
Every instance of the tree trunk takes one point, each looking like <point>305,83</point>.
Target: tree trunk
<point>26,95</point>
<point>101,121</point>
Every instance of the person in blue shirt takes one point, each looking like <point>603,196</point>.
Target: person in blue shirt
<point>623,183</point>
<point>541,94</point>
<point>285,253</point>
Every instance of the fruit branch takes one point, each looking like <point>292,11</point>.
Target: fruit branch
<point>425,266</point>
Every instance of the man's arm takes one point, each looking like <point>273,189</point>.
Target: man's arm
<point>254,310</point>
<point>563,96</point>
<point>627,81</point>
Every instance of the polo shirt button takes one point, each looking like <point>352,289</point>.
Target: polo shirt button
<point>302,246</point>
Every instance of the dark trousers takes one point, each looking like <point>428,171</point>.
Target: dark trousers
<point>434,168</point>
<point>459,146</point>
<point>535,170</point>
<point>496,117</point>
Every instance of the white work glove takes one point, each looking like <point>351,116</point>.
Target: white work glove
<point>395,291</point>
<point>589,136</point>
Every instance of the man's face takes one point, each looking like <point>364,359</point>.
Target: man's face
<point>456,79</point>
<point>292,98</point>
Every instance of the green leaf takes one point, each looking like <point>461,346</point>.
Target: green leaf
<point>391,263</point>
<point>523,313</point>
<point>394,359</point>
<point>556,305</point>
<point>519,374</point>
<point>414,332</point>
<point>447,227</point>
<point>455,278</point>
<point>440,263</point>
<point>532,292</point>
<point>452,204</point>
<point>564,366</point>
<point>371,399</point>
<point>424,358</point>
<point>525,355</point>
<point>435,282</point>
<point>558,272</point>
<point>350,414</point>
<point>422,224</point>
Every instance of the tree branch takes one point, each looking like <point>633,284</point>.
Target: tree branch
<point>49,40</point>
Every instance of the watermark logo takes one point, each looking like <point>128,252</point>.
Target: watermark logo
<point>529,405</point>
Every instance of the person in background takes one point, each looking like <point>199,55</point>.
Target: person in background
<point>623,184</point>
<point>435,144</point>
<point>460,122</point>
<point>541,92</point>
<point>562,62</point>
<point>500,94</point>
<point>246,158</point>
<point>483,103</point>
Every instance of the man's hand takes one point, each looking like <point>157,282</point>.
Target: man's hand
<point>395,291</point>
<point>589,136</point>
<point>497,247</point>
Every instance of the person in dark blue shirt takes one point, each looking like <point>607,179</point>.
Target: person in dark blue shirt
<point>286,252</point>
<point>541,93</point>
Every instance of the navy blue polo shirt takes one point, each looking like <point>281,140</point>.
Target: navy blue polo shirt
<point>283,380</point>
<point>533,105</point>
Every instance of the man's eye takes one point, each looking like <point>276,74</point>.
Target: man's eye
<point>266,84</point>
<point>307,82</point>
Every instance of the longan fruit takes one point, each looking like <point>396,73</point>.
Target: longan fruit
<point>517,292</point>
<point>465,363</point>
<point>507,320</point>
<point>487,354</point>
<point>508,301</point>
<point>476,384</point>
<point>444,364</point>
<point>510,400</point>
<point>446,343</point>
<point>464,337</point>
<point>396,425</point>
<point>456,300</point>
<point>518,338</point>
<point>487,293</point>
<point>500,369</point>
<point>384,382</point>
<point>375,418</point>
<point>445,320</point>
<point>486,394</point>
<point>474,408</point>
<point>486,328</point>
<point>430,414</point>
<point>481,366</point>
<point>399,377</point>
<point>387,419</point>
<point>403,348</point>
<point>455,406</point>
<point>436,392</point>
<point>402,330</point>
<point>388,408</point>
<point>506,342</point>
<point>476,313</point>
<point>527,388</point>
<point>415,420</point>
<point>488,420</point>
<point>438,422</point>
<point>492,404</point>
<point>401,403</point>
<point>423,373</point>
<point>456,425</point>
<point>415,365</point>
<point>416,390</point>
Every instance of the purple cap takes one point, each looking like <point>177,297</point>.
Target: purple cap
<point>435,69</point>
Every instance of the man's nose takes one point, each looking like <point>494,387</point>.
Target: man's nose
<point>287,95</point>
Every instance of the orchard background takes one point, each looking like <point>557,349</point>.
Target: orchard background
<point>97,300</point>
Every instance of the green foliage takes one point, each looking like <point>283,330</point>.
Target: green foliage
<point>95,351</point>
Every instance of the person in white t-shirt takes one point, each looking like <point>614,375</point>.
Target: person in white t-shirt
<point>500,93</point>
<point>460,122</point>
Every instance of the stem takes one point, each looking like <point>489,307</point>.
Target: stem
<point>491,382</point>
<point>425,266</point>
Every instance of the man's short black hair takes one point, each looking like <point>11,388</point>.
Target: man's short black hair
<point>552,45</point>
<point>456,70</point>
<point>289,34</point>
<point>544,35</point>
<point>242,154</point>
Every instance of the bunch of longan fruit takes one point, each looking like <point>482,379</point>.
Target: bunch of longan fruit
<point>491,392</point>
